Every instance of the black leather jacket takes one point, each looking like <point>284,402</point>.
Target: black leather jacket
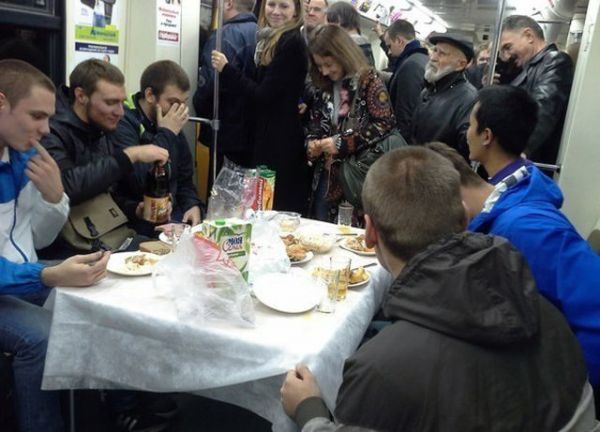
<point>88,163</point>
<point>547,77</point>
<point>443,112</point>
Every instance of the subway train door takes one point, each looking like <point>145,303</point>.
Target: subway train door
<point>32,30</point>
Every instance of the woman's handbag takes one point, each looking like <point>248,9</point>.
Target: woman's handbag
<point>354,167</point>
<point>96,224</point>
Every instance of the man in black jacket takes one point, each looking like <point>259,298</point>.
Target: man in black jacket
<point>547,75</point>
<point>472,345</point>
<point>237,122</point>
<point>443,111</point>
<point>407,82</point>
<point>86,112</point>
<point>156,114</point>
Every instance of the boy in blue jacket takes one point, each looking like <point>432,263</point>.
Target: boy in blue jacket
<point>523,205</point>
<point>33,209</point>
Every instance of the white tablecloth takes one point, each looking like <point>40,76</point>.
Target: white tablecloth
<point>122,334</point>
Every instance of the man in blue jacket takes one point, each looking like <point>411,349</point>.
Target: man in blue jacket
<point>522,204</point>
<point>239,42</point>
<point>33,209</point>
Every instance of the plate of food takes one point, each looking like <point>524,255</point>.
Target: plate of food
<point>358,246</point>
<point>296,252</point>
<point>292,292</point>
<point>132,263</point>
<point>358,277</point>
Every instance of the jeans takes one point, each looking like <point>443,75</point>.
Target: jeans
<point>24,331</point>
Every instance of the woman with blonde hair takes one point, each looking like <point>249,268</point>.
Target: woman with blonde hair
<point>281,59</point>
<point>352,113</point>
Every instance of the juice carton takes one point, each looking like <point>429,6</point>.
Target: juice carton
<point>233,237</point>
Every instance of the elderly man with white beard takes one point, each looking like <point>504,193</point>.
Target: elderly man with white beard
<point>443,111</point>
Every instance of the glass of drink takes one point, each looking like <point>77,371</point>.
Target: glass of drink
<point>341,266</point>
<point>173,231</point>
<point>345,211</point>
<point>329,280</point>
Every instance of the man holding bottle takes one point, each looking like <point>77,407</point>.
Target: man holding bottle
<point>156,114</point>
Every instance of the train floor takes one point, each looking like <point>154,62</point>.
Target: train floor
<point>196,414</point>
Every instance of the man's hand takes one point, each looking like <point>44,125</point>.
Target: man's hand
<point>378,29</point>
<point>174,119</point>
<point>77,271</point>
<point>218,60</point>
<point>147,153</point>
<point>192,216</point>
<point>44,173</point>
<point>299,384</point>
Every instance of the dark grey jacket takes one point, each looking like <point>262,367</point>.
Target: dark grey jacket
<point>134,129</point>
<point>235,113</point>
<point>547,77</point>
<point>473,347</point>
<point>406,85</point>
<point>443,112</point>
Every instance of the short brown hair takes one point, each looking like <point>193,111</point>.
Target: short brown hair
<point>333,41</point>
<point>161,74</point>
<point>401,28</point>
<point>468,177</point>
<point>244,5</point>
<point>87,74</point>
<point>17,78</point>
<point>413,197</point>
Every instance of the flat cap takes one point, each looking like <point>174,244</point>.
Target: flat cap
<point>461,42</point>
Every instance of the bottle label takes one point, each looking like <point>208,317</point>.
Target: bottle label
<point>156,210</point>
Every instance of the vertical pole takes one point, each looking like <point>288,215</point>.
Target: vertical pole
<point>496,43</point>
<point>215,123</point>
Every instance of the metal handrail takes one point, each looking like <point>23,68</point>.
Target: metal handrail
<point>548,167</point>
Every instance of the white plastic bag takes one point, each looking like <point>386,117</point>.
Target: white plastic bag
<point>203,283</point>
<point>234,191</point>
<point>268,251</point>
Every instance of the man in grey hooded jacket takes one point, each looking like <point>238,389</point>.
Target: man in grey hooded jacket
<point>472,346</point>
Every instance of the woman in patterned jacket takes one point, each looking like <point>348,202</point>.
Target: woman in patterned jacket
<point>352,111</point>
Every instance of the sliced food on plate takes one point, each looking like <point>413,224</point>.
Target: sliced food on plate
<point>357,244</point>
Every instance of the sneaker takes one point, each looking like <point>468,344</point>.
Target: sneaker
<point>161,406</point>
<point>137,421</point>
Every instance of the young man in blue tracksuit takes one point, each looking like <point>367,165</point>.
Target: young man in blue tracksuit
<point>33,209</point>
<point>522,204</point>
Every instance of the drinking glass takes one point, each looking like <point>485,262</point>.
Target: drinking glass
<point>329,280</point>
<point>174,231</point>
<point>341,266</point>
<point>345,212</point>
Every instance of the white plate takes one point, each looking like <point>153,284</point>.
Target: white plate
<point>292,292</point>
<point>307,258</point>
<point>343,246</point>
<point>116,264</point>
<point>359,284</point>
